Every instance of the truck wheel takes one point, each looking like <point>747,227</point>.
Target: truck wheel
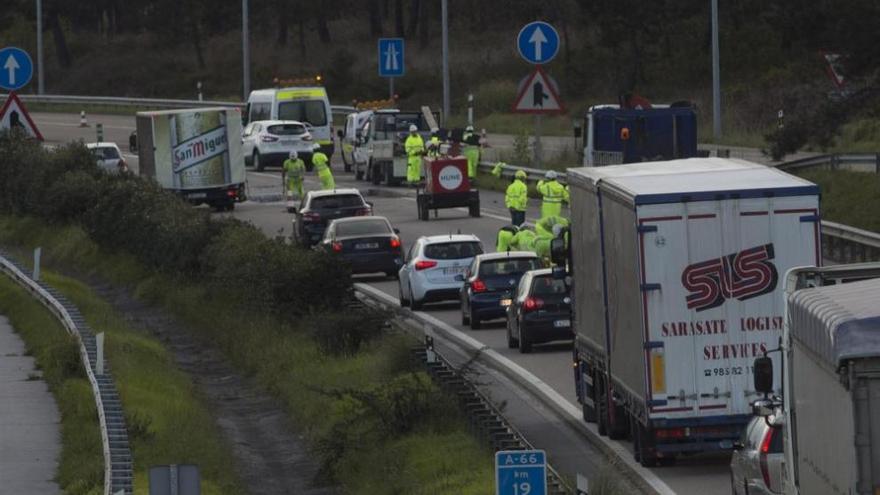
<point>474,209</point>
<point>258,163</point>
<point>423,208</point>
<point>619,430</point>
<point>601,406</point>
<point>589,413</point>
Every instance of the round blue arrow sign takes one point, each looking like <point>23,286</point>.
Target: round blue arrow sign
<point>16,68</point>
<point>538,42</point>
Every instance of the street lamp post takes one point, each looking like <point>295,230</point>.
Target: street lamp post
<point>716,76</point>
<point>40,86</point>
<point>444,8</point>
<point>245,49</point>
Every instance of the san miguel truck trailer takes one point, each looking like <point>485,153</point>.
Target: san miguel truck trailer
<point>196,153</point>
<point>830,384</point>
<point>615,135</point>
<point>675,271</point>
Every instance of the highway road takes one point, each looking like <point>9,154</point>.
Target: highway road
<point>551,363</point>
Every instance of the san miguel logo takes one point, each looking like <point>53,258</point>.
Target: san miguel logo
<point>743,275</point>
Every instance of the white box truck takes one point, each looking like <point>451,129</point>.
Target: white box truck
<point>195,153</point>
<point>830,382</point>
<point>675,272</point>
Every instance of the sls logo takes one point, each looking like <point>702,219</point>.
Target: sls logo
<point>743,275</point>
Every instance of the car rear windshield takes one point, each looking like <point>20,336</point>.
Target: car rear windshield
<point>105,153</point>
<point>311,111</point>
<point>507,266</point>
<point>286,129</point>
<point>336,201</point>
<point>372,226</point>
<point>546,285</point>
<point>453,250</point>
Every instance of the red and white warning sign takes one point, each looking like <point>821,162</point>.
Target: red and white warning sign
<point>14,115</point>
<point>538,94</point>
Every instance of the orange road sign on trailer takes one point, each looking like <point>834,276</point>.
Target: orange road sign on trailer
<point>14,115</point>
<point>538,95</point>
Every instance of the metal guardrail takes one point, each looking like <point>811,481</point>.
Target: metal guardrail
<point>118,475</point>
<point>857,162</point>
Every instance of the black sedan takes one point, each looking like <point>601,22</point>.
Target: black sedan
<point>539,312</point>
<point>368,244</point>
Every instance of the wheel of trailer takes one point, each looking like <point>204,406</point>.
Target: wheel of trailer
<point>619,430</point>
<point>422,203</point>
<point>474,209</point>
<point>258,163</point>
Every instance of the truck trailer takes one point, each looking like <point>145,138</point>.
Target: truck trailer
<point>196,153</point>
<point>675,272</point>
<point>830,383</point>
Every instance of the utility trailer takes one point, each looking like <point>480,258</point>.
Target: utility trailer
<point>675,268</point>
<point>446,186</point>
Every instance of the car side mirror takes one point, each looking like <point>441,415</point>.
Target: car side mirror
<point>396,230</point>
<point>558,253</point>
<point>459,278</point>
<point>763,371</point>
<point>763,408</point>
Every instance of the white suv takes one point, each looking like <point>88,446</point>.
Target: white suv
<point>269,142</point>
<point>432,263</point>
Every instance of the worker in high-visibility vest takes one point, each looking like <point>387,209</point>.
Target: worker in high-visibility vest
<point>292,173</point>
<point>504,237</point>
<point>415,148</point>
<point>545,226</point>
<point>553,193</point>
<point>471,142</point>
<point>516,198</point>
<point>524,240</point>
<point>497,169</point>
<point>322,167</point>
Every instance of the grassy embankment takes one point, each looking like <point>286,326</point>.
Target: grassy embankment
<point>166,420</point>
<point>851,198</point>
<point>378,424</point>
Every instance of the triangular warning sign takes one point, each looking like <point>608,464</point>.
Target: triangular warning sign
<point>538,95</point>
<point>15,115</point>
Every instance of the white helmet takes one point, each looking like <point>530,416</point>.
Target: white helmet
<point>293,155</point>
<point>413,128</point>
<point>469,128</point>
<point>551,175</point>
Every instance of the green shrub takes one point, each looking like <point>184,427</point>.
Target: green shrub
<point>344,333</point>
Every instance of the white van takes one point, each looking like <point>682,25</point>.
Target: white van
<point>307,104</point>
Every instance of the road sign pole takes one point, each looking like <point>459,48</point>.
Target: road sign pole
<point>444,14</point>
<point>40,86</point>
<point>390,88</point>
<point>470,109</point>
<point>537,147</point>
<point>245,51</point>
<point>716,76</point>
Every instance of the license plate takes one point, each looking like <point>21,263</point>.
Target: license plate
<point>562,323</point>
<point>505,302</point>
<point>288,141</point>
<point>454,270</point>
<point>367,245</point>
<point>197,195</point>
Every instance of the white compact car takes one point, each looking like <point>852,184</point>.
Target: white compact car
<point>108,156</point>
<point>269,143</point>
<point>756,464</point>
<point>431,266</point>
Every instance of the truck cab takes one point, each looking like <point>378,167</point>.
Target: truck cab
<point>616,135</point>
<point>388,129</point>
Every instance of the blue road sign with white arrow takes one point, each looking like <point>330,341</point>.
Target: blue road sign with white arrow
<point>538,42</point>
<point>16,68</point>
<point>391,57</point>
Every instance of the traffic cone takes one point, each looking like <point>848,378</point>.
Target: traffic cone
<point>82,119</point>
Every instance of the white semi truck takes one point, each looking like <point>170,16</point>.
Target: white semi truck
<point>830,382</point>
<point>675,270</point>
<point>195,153</point>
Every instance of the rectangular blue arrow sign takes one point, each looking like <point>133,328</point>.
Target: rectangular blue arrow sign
<point>521,472</point>
<point>391,57</point>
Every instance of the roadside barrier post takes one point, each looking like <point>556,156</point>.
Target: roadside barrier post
<point>82,119</point>
<point>430,355</point>
<point>99,130</point>
<point>199,88</point>
<point>583,485</point>
<point>37,253</point>
<point>99,356</point>
<point>470,109</point>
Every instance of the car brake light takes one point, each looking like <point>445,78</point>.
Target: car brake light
<point>765,449</point>
<point>532,304</point>
<point>268,139</point>
<point>231,193</point>
<point>364,212</point>
<point>478,286</point>
<point>337,247</point>
<point>395,243</point>
<point>670,433</point>
<point>425,264</point>
<point>311,216</point>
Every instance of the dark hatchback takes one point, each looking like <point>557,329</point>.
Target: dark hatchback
<point>490,282</point>
<point>540,311</point>
<point>368,244</point>
<point>319,208</point>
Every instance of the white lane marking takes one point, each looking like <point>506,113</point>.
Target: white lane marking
<point>570,412</point>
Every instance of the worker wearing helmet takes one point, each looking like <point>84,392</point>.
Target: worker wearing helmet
<point>471,143</point>
<point>497,169</point>
<point>516,198</point>
<point>505,235</point>
<point>292,176</point>
<point>524,240</point>
<point>415,148</point>
<point>553,193</point>
<point>322,167</point>
<point>434,144</point>
<point>546,227</point>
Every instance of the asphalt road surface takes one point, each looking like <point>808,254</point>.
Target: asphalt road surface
<point>551,363</point>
